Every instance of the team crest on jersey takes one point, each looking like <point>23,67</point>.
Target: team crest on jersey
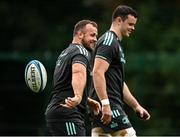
<point>122,59</point>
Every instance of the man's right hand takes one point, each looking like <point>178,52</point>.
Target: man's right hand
<point>72,102</point>
<point>106,114</point>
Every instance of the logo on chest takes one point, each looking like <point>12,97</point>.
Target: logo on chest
<point>122,59</point>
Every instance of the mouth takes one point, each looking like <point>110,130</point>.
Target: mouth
<point>92,45</point>
<point>130,31</point>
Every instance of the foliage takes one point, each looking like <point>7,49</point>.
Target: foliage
<point>44,28</point>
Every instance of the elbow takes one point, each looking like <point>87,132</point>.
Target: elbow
<point>96,73</point>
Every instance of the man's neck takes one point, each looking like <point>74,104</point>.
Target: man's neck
<point>76,41</point>
<point>114,27</point>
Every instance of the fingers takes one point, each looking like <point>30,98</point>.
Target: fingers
<point>106,114</point>
<point>106,119</point>
<point>144,115</point>
<point>65,105</point>
<point>70,103</point>
<point>97,110</point>
<point>94,105</point>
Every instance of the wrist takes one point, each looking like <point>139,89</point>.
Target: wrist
<point>105,102</point>
<point>79,98</point>
<point>135,106</point>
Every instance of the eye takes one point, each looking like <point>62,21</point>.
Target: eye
<point>94,35</point>
<point>131,24</point>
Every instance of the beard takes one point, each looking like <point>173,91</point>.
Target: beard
<point>86,45</point>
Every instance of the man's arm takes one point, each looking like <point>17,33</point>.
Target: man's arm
<point>100,67</point>
<point>78,79</point>
<point>78,84</point>
<point>131,101</point>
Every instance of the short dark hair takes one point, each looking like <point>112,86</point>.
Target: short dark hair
<point>123,11</point>
<point>81,24</point>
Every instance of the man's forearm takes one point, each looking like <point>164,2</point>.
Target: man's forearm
<point>129,98</point>
<point>78,84</point>
<point>100,85</point>
<point>78,79</point>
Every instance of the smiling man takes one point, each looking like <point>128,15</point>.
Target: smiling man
<point>108,77</point>
<point>71,82</point>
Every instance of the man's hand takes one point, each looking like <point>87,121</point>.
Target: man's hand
<point>94,105</point>
<point>106,114</point>
<point>142,113</point>
<point>72,102</point>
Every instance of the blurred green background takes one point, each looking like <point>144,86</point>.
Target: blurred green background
<point>40,29</point>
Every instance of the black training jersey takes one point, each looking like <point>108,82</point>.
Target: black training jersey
<point>108,48</point>
<point>62,87</point>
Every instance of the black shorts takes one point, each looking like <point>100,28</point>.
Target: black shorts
<point>66,128</point>
<point>62,121</point>
<point>119,121</point>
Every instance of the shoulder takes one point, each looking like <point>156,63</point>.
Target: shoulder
<point>81,50</point>
<point>107,39</point>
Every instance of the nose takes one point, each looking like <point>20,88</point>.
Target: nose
<point>133,28</point>
<point>95,39</point>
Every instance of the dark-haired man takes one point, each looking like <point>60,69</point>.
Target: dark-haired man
<point>108,77</point>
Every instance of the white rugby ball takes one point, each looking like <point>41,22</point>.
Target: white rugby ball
<point>35,76</point>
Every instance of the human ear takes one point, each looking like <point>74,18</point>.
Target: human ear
<point>80,34</point>
<point>119,19</point>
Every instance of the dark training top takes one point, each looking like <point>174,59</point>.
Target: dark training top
<point>62,87</point>
<point>109,48</point>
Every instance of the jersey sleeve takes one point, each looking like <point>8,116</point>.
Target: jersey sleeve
<point>80,58</point>
<point>105,52</point>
